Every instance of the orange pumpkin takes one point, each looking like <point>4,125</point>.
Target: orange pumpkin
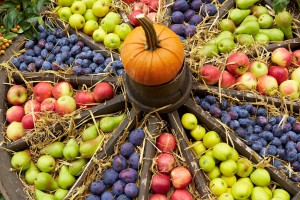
<point>152,54</point>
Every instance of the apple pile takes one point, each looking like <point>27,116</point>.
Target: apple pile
<point>96,20</point>
<point>59,98</point>
<point>256,75</point>
<point>231,176</point>
<point>265,133</point>
<point>119,181</point>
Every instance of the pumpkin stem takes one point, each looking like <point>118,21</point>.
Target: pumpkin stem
<point>150,33</point>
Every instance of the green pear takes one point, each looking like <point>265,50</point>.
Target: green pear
<point>284,21</point>
<point>65,180</point>
<point>261,38</point>
<point>245,4</point>
<point>265,21</point>
<point>258,193</point>
<point>226,45</point>
<point>31,173</point>
<point>107,124</point>
<point>45,181</point>
<point>259,10</point>
<point>274,34</point>
<point>224,34</point>
<point>89,133</point>
<point>245,39</point>
<point>55,150</point>
<point>87,149</point>
<point>209,50</point>
<point>46,163</point>
<point>249,18</point>
<point>60,194</point>
<point>39,195</point>
<point>238,15</point>
<point>249,27</point>
<point>227,25</point>
<point>77,166</point>
<point>71,150</point>
<point>21,160</point>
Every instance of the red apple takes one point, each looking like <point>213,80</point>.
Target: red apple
<point>84,99</point>
<point>17,95</point>
<point>279,73</point>
<point>181,195</point>
<point>210,74</point>
<point>282,57</point>
<point>152,16</point>
<point>29,120</point>
<point>289,88</point>
<point>160,183</point>
<point>155,4</point>
<point>246,81</point>
<point>15,131</point>
<point>158,197</point>
<point>48,104</point>
<point>32,106</point>
<point>15,114</point>
<point>141,6</point>
<point>227,79</point>
<point>165,163</point>
<point>295,75</point>
<point>267,85</point>
<point>42,91</point>
<point>237,63</point>
<point>181,177</point>
<point>132,18</point>
<point>103,91</point>
<point>62,89</point>
<point>296,57</point>
<point>65,105</point>
<point>128,1</point>
<point>258,69</point>
<point>166,142</point>
<point>145,1</point>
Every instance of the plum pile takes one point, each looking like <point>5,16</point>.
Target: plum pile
<point>186,15</point>
<point>53,50</point>
<point>119,182</point>
<point>267,135</point>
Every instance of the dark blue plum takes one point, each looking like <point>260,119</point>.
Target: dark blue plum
<point>44,53</point>
<point>272,120</point>
<point>234,124</point>
<point>284,139</point>
<point>195,20</point>
<point>180,5</point>
<point>41,28</point>
<point>123,197</point>
<point>29,44</point>
<point>256,146</point>
<point>268,127</point>
<point>23,66</point>
<point>295,177</point>
<point>29,52</point>
<point>226,119</point>
<point>263,142</point>
<point>80,43</point>
<point>277,163</point>
<point>86,63</point>
<point>93,197</point>
<point>29,59</point>
<point>296,127</point>
<point>243,113</point>
<point>296,166</point>
<point>49,46</point>
<point>56,50</point>
<point>197,99</point>
<point>42,35</point>
<point>241,132</point>
<point>291,155</point>
<point>263,152</point>
<point>31,67</point>
<point>267,135</point>
<point>248,107</point>
<point>77,70</point>
<point>178,29</point>
<point>110,176</point>
<point>78,62</point>
<point>87,71</point>
<point>215,111</point>
<point>279,119</point>
<point>55,66</point>
<point>224,104</point>
<point>107,196</point>
<point>196,4</point>
<point>118,187</point>
<point>89,55</point>
<point>298,147</point>
<point>75,50</point>
<point>86,48</point>
<point>291,120</point>
<point>205,105</point>
<point>82,55</point>
<point>42,43</point>
<point>126,149</point>
<point>136,136</point>
<point>277,130</point>
<point>46,65</point>
<point>60,33</point>
<point>177,17</point>
<point>276,141</point>
<point>131,190</point>
<point>51,39</point>
<point>281,154</point>
<point>257,129</point>
<point>65,49</point>
<point>63,41</point>
<point>249,130</point>
<point>93,66</point>
<point>292,135</point>
<point>51,57</point>
<point>133,161</point>
<point>59,59</point>
<point>16,62</point>
<point>261,121</point>
<point>70,60</point>
<point>271,150</point>
<point>244,122</point>
<point>233,114</point>
<point>108,61</point>
<point>117,64</point>
<point>208,10</point>
<point>261,111</point>
<point>98,70</point>
<point>37,50</point>
<point>110,69</point>
<point>97,187</point>
<point>120,72</point>
<point>128,175</point>
<point>119,163</point>
<point>188,14</point>
<point>210,99</point>
<point>73,39</point>
<point>98,58</point>
<point>290,145</point>
<point>287,127</point>
<point>250,139</point>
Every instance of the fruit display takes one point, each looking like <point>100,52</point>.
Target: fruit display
<point>230,175</point>
<point>53,50</point>
<point>98,19</point>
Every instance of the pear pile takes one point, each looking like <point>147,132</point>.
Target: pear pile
<point>60,163</point>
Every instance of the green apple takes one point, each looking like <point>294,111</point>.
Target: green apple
<point>76,21</point>
<point>214,173</point>
<point>90,26</point>
<point>258,193</point>
<point>217,186</point>
<point>281,194</point>
<point>230,180</point>
<point>78,7</point>
<point>120,47</point>
<point>246,180</point>
<point>228,190</point>
<point>64,13</point>
<point>89,15</point>
<point>258,68</point>
<point>122,30</point>
<point>226,45</point>
<point>207,163</point>
<point>101,8</point>
<point>210,139</point>
<point>198,148</point>
<point>235,155</point>
<point>108,25</point>
<point>260,177</point>
<point>244,167</point>
<point>116,17</point>
<point>198,132</point>
<point>222,151</point>
<point>112,41</point>
<point>228,167</point>
<point>46,163</point>
<point>64,3</point>
<point>226,196</point>
<point>189,121</point>
<point>265,21</point>
<point>99,34</point>
<point>241,190</point>
<point>268,191</point>
<point>89,3</point>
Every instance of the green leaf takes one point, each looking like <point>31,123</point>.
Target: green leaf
<point>8,36</point>
<point>25,25</point>
<point>40,4</point>
<point>279,5</point>
<point>10,19</point>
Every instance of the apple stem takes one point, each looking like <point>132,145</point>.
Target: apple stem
<point>150,33</point>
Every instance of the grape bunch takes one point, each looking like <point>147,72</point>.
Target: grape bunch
<point>119,182</point>
<point>53,50</point>
<point>267,135</point>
